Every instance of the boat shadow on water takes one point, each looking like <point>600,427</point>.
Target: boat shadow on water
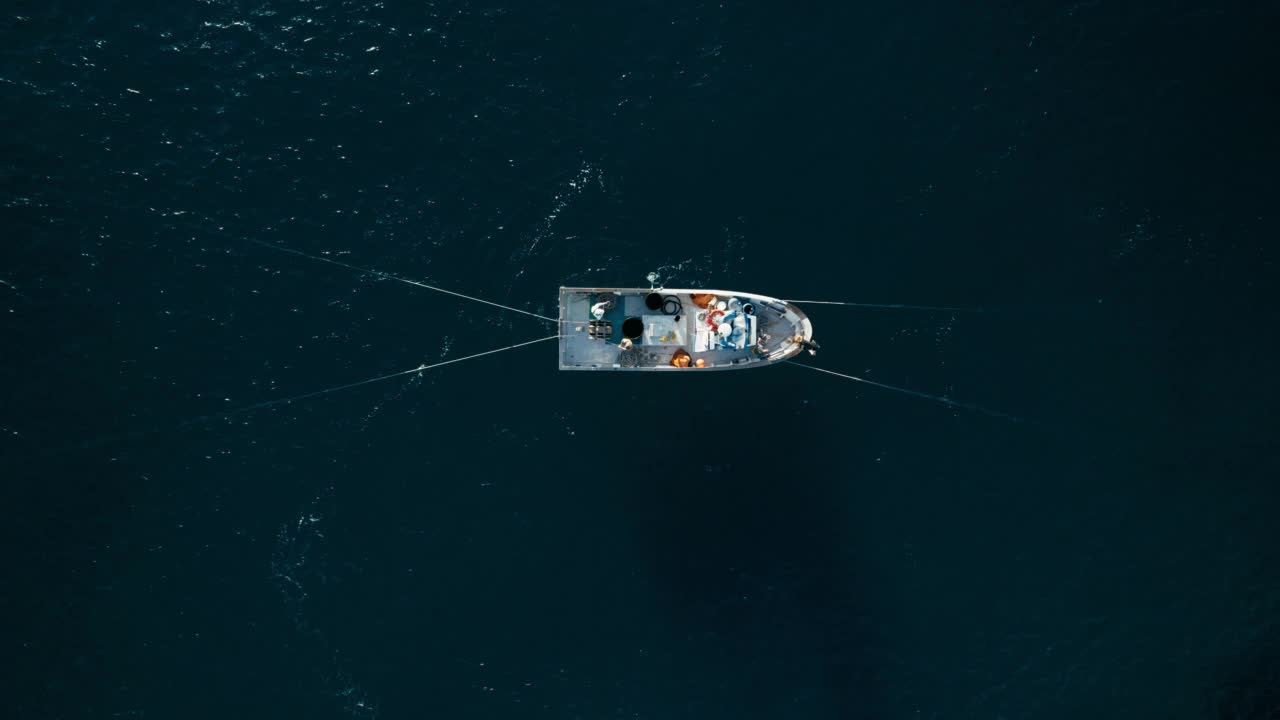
<point>750,549</point>
<point>1248,687</point>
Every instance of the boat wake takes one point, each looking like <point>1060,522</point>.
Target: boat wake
<point>588,174</point>
<point>298,551</point>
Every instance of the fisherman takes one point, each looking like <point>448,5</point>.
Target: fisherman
<point>809,345</point>
<point>626,344</point>
<point>762,344</point>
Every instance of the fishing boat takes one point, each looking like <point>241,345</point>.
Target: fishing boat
<point>663,329</point>
<point>653,329</point>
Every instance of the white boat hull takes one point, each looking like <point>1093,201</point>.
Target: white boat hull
<point>627,333</point>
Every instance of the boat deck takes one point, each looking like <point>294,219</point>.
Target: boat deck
<point>767,333</point>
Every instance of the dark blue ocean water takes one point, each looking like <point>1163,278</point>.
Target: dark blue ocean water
<point>495,539</point>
